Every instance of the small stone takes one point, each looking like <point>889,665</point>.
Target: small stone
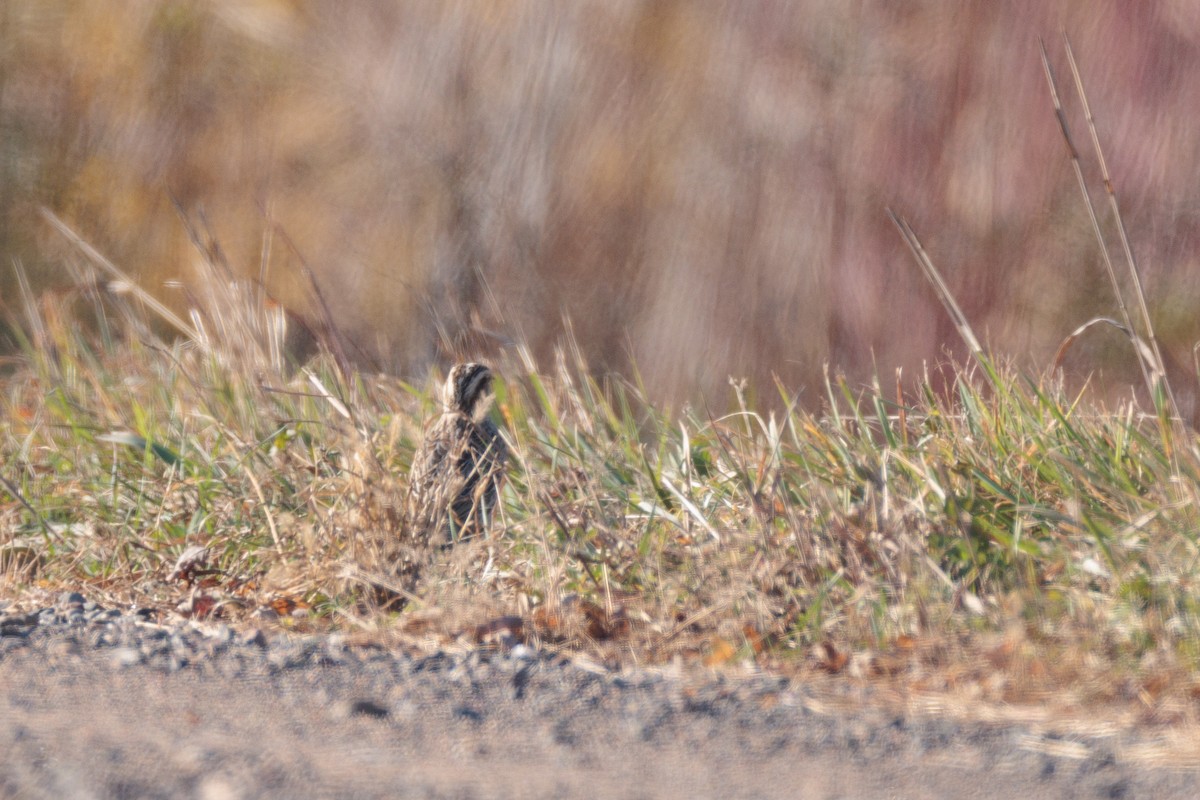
<point>71,598</point>
<point>329,658</point>
<point>9,643</point>
<point>14,630</point>
<point>179,642</point>
<point>255,638</point>
<point>63,647</point>
<point>221,634</point>
<point>18,624</point>
<point>366,707</point>
<point>126,657</point>
<point>151,649</point>
<point>216,787</point>
<point>289,658</point>
<point>469,713</point>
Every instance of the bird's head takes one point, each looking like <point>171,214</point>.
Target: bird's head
<point>466,387</point>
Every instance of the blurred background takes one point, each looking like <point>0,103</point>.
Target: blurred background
<point>699,187</point>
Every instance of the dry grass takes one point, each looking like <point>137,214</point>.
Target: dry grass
<point>1002,540</point>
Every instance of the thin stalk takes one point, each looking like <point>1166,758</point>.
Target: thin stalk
<point>939,285</point>
<point>1134,273</point>
<point>1077,166</point>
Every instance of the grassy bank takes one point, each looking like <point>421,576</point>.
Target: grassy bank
<point>992,531</point>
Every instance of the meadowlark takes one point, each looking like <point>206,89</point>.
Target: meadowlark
<point>456,473</point>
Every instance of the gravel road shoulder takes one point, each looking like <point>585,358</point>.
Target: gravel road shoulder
<point>105,704</point>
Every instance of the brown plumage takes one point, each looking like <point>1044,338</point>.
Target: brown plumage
<point>456,472</point>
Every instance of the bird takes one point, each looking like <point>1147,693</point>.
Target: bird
<point>457,470</point>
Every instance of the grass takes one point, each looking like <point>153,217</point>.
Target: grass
<point>994,524</point>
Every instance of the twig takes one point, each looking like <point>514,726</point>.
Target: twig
<point>99,260</point>
<point>939,285</point>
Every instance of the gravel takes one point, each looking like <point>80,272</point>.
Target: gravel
<point>104,703</point>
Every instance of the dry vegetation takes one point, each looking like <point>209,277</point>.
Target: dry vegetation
<point>1003,536</point>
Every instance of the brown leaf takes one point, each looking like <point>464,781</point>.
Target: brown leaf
<point>830,658</point>
<point>721,651</point>
<point>754,638</point>
<point>286,605</point>
<point>198,605</point>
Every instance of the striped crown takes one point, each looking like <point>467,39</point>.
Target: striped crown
<point>465,386</point>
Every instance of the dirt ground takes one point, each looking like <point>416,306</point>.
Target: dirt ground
<point>98,704</point>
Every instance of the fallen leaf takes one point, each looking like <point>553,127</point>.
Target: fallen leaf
<point>830,658</point>
<point>754,638</point>
<point>286,605</point>
<point>720,651</point>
